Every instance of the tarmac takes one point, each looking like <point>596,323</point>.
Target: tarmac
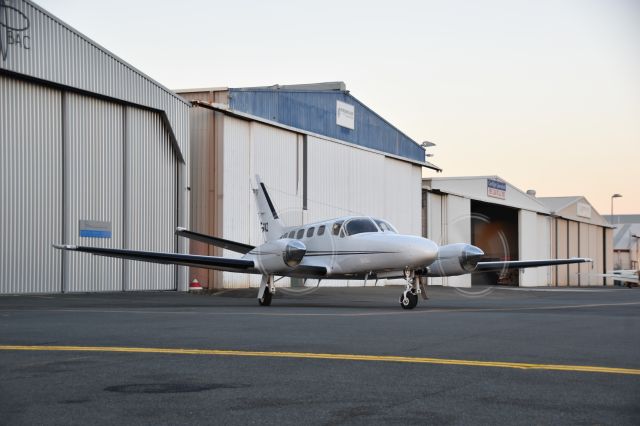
<point>486,355</point>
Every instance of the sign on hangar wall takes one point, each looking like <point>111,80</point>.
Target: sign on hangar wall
<point>496,189</point>
<point>345,115</point>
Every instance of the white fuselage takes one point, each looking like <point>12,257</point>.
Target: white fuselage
<point>350,247</point>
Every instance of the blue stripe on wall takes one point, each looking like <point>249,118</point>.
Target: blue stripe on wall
<point>95,234</point>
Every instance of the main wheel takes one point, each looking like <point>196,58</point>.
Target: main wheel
<point>408,300</point>
<point>265,300</point>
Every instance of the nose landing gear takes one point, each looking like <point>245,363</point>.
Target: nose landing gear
<point>409,297</point>
<point>267,289</point>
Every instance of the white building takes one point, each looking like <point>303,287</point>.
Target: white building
<point>316,162</point>
<point>626,240</point>
<point>509,224</point>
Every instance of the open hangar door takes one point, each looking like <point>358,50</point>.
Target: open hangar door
<point>494,228</point>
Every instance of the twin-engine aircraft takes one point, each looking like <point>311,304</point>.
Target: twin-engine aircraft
<point>351,247</point>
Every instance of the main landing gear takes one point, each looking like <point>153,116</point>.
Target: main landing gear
<point>267,290</point>
<point>409,297</point>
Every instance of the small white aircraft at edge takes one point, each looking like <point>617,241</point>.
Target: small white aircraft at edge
<point>351,247</point>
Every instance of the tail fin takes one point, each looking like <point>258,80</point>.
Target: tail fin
<point>271,225</point>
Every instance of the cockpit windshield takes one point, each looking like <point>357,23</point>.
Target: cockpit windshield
<point>360,225</point>
<point>385,226</point>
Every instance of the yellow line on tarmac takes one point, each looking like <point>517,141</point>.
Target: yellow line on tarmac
<point>344,357</point>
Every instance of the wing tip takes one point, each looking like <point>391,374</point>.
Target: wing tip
<point>65,246</point>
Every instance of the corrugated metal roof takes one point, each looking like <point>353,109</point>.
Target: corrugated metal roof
<point>225,109</point>
<point>622,218</point>
<point>314,109</point>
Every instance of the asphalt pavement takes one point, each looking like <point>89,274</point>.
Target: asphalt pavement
<point>334,356</point>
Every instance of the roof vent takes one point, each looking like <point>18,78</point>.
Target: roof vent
<point>531,192</point>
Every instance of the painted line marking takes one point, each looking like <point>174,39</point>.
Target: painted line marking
<point>226,312</point>
<point>343,357</point>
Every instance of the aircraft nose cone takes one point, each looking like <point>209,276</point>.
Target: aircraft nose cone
<point>425,251</point>
<point>473,252</point>
<point>294,252</point>
<point>471,255</point>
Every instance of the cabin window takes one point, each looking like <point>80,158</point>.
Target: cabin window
<point>360,225</point>
<point>284,235</point>
<point>385,226</point>
<point>321,230</point>
<point>335,230</point>
<point>310,232</point>
<point>300,233</point>
<point>292,234</point>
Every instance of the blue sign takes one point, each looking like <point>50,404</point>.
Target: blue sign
<point>95,229</point>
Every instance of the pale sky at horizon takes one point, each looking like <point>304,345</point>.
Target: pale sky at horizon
<point>545,94</point>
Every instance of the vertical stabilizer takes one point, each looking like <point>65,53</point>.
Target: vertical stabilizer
<point>271,225</point>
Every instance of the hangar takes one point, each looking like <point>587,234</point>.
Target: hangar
<point>626,240</point>
<point>92,152</point>
<point>510,224</point>
<point>321,152</point>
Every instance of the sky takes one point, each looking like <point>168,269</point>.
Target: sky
<point>545,94</point>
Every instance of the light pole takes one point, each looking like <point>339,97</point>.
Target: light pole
<point>637,237</point>
<point>612,197</point>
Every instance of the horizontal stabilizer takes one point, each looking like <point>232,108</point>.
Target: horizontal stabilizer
<point>210,262</point>
<point>518,264</point>
<point>215,241</point>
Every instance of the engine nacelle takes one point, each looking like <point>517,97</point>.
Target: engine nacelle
<point>455,259</point>
<point>279,256</point>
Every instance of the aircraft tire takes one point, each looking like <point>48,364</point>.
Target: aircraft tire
<point>266,298</point>
<point>412,302</point>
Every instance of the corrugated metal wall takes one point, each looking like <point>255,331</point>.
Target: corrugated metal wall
<point>344,181</point>
<point>341,181</point>
<point>449,223</point>
<point>608,242</point>
<point>562,244</point>
<point>65,158</point>
<point>236,191</point>
<point>458,223</point>
<point>544,245</point>
<point>59,54</point>
<point>30,187</point>
<point>527,245</point>
<point>574,251</point>
<point>202,172</point>
<point>151,199</point>
<point>93,167</point>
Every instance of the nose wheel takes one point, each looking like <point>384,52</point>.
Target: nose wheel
<point>409,299</point>
<point>267,289</point>
<point>265,300</point>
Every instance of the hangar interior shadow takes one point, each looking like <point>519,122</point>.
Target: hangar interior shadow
<point>494,228</point>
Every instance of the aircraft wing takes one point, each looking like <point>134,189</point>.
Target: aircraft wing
<point>630,278</point>
<point>215,241</point>
<point>308,271</point>
<point>518,264</point>
<point>210,262</point>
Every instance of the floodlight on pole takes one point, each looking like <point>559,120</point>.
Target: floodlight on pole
<point>612,197</point>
